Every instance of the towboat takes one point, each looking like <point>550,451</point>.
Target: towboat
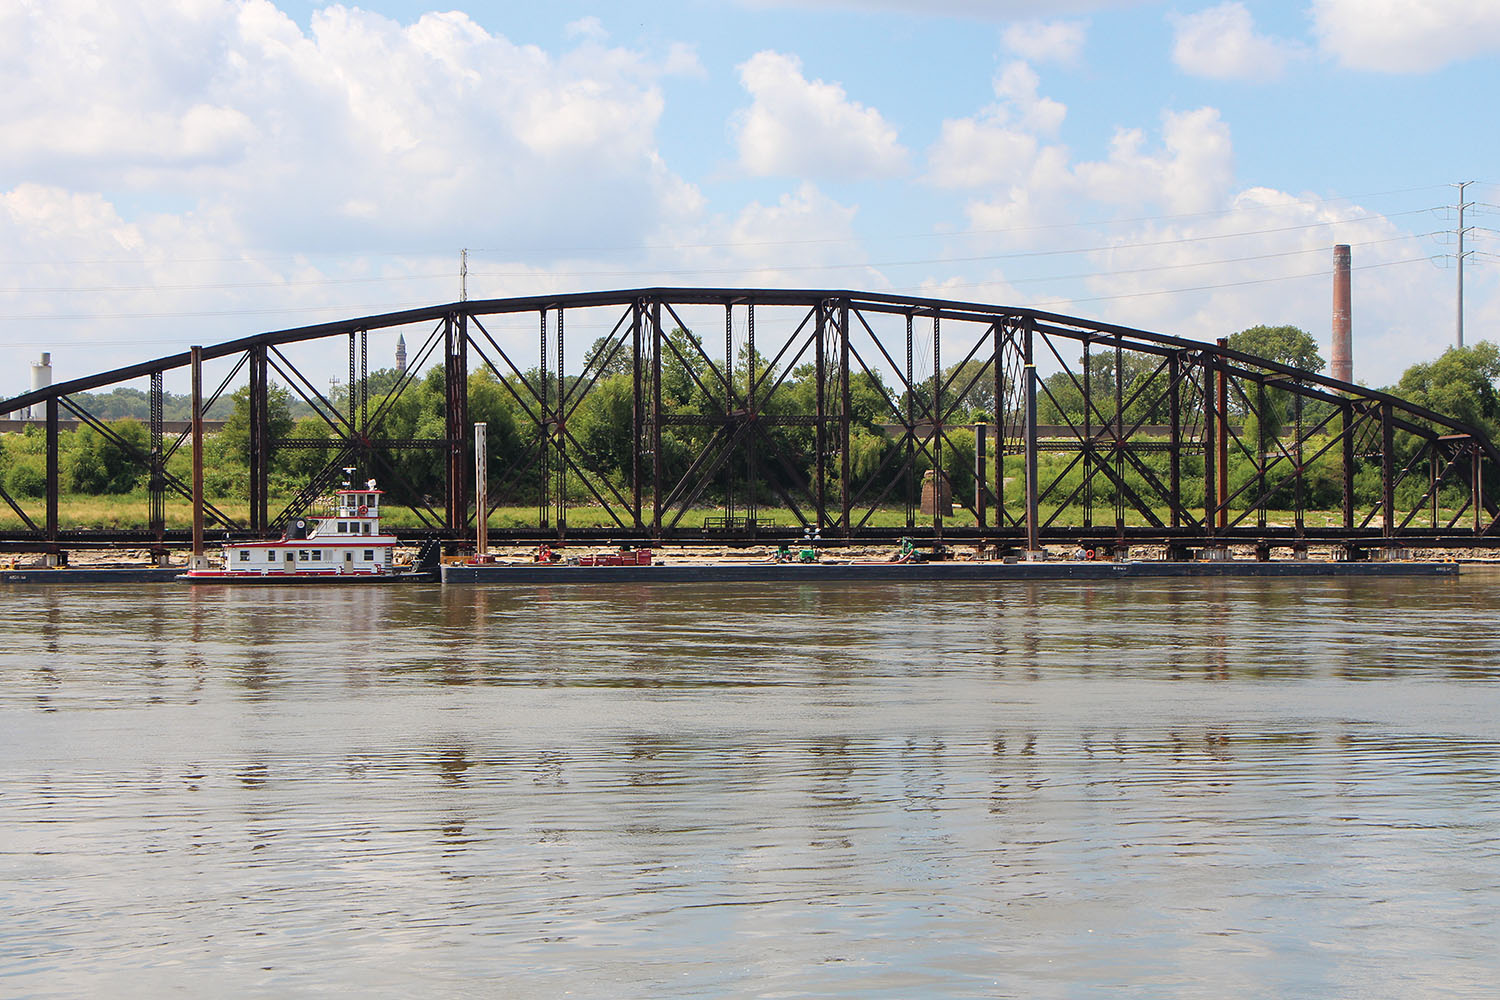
<point>345,544</point>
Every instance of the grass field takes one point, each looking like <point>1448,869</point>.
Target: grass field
<point>131,512</point>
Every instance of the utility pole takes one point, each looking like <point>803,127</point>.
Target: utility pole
<point>463,275</point>
<point>1462,253</point>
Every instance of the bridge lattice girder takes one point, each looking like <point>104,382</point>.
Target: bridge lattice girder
<point>1118,396</point>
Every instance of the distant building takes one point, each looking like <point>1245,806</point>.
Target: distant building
<point>400,354</point>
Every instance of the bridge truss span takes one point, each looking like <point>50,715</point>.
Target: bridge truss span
<point>752,415</point>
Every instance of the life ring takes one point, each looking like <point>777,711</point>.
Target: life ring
<point>1089,554</point>
<point>363,510</point>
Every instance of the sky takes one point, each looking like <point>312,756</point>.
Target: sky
<point>190,171</point>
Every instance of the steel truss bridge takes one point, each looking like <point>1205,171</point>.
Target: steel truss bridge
<point>1150,439</point>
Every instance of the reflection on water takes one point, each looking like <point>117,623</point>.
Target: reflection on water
<point>1168,788</point>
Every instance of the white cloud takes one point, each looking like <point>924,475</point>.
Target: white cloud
<point>1000,145</point>
<point>589,27</point>
<point>1192,172</point>
<point>799,127</point>
<point>1221,43</point>
<point>157,136</point>
<point>1405,36</point>
<point>979,10</point>
<point>1047,41</point>
<point>359,130</point>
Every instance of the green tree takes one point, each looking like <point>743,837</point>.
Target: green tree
<point>1287,345</point>
<point>236,432</point>
<point>96,464</point>
<point>1459,384</point>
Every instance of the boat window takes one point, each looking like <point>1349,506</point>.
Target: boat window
<point>367,527</point>
<point>317,555</point>
<point>270,555</point>
<point>369,553</point>
<point>244,555</point>
<point>343,526</point>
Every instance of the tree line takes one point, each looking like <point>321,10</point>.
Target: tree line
<point>1461,383</point>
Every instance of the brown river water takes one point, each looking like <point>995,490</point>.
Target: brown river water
<point>1147,788</point>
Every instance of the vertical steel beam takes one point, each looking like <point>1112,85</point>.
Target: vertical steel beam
<point>157,482</point>
<point>656,415</point>
<point>1088,436</point>
<point>1348,466</point>
<point>637,412</point>
<point>52,469</point>
<point>354,394</point>
<point>846,422</point>
<point>260,441</point>
<point>1174,419</point>
<point>1387,471</point>
<point>911,433</point>
<point>1300,500</point>
<point>752,470</point>
<point>481,489</point>
<point>1033,490</point>
<point>544,429</point>
<point>998,419</point>
<point>981,474</point>
<point>1432,479</point>
<point>1119,439</point>
<point>940,484</point>
<point>1223,438</point>
<point>364,381</point>
<point>197,354</point>
<point>729,407</point>
<point>562,454</point>
<point>820,411</point>
<point>1476,493</point>
<point>456,379</point>
<point>1260,453</point>
<point>1210,449</point>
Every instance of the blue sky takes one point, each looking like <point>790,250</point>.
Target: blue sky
<point>191,172</point>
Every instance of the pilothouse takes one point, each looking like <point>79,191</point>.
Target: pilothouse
<point>346,542</point>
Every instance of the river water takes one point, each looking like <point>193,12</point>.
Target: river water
<point>1174,788</point>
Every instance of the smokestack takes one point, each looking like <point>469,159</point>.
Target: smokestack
<point>1342,364</point>
<point>41,377</point>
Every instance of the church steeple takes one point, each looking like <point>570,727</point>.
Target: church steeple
<point>400,354</point>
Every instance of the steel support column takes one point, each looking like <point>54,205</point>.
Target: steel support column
<point>1033,490</point>
<point>260,441</point>
<point>846,423</point>
<point>1348,466</point>
<point>1387,472</point>
<point>52,469</point>
<point>657,471</point>
<point>820,432</point>
<point>156,483</point>
<point>1210,452</point>
<point>197,432</point>
<point>637,414</point>
<point>456,381</point>
<point>1174,418</point>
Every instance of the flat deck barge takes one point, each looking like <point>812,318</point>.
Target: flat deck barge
<point>890,572</point>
